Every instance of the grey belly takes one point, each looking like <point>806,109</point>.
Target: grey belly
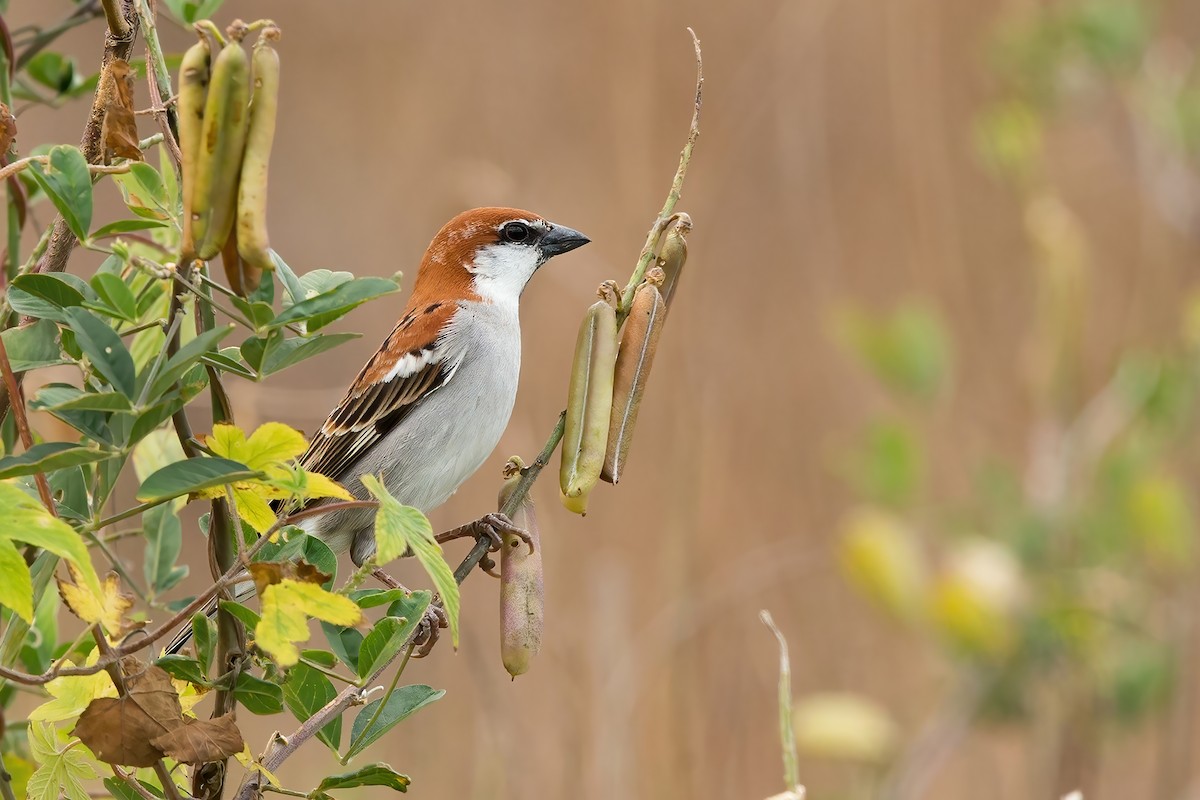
<point>424,460</point>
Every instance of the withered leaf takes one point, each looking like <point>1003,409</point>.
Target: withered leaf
<point>118,130</point>
<point>266,573</point>
<point>108,609</point>
<point>198,741</point>
<point>121,730</point>
<point>8,128</point>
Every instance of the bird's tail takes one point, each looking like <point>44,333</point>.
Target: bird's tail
<point>242,590</point>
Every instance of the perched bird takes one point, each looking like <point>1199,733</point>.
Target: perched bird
<point>431,404</point>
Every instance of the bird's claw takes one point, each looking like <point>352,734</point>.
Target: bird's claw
<point>494,525</point>
<point>427,636</point>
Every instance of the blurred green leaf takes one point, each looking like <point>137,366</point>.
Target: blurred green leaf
<point>49,456</point>
<point>888,466</point>
<point>164,542</point>
<point>53,70</point>
<point>907,350</point>
<point>33,346</point>
<point>144,194</point>
<point>68,183</point>
<point>189,11</point>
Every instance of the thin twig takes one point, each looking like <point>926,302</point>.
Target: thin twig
<point>159,81</point>
<point>22,164</point>
<point>115,17</point>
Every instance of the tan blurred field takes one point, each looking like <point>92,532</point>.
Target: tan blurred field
<point>835,164</point>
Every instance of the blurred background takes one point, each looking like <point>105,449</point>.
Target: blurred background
<point>926,394</point>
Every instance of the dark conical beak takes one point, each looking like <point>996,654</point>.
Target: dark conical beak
<point>561,239</point>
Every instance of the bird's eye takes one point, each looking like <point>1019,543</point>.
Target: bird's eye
<point>516,232</point>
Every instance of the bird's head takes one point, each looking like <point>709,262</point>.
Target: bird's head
<point>490,254</point>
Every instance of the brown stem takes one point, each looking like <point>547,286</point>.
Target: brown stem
<point>114,15</point>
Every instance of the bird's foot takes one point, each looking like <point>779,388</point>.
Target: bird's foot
<point>493,526</point>
<point>434,618</point>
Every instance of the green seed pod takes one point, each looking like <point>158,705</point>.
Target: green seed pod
<point>193,90</point>
<point>589,403</point>
<point>214,200</point>
<point>639,342</point>
<point>672,256</point>
<point>252,185</point>
<point>522,595</point>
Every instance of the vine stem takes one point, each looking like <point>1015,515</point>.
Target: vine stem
<point>22,164</point>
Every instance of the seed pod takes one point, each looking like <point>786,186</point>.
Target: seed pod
<point>193,90</point>
<point>252,185</point>
<point>673,255</point>
<point>241,277</point>
<point>522,595</point>
<point>639,341</point>
<point>589,403</point>
<point>220,159</point>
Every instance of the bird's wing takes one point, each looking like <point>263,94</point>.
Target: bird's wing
<point>412,363</point>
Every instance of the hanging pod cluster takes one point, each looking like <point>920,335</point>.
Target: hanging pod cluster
<point>227,110</point>
<point>609,376</point>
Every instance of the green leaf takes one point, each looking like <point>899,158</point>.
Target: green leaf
<point>188,355</point>
<point>16,585</point>
<point>244,615</point>
<point>116,295</point>
<point>104,349</point>
<point>257,695</point>
<point>295,290</point>
<point>126,226</point>
<point>907,350</point>
<point>53,70</point>
<point>305,692</point>
<point>192,475</point>
<point>383,642</point>
<point>143,191</point>
<point>345,643</point>
<point>319,311</point>
<point>370,775</point>
<point>49,456</point>
<point>291,351</point>
<point>183,668</point>
<point>68,183</point>
<point>23,519</point>
<point>44,296</point>
<point>203,639</point>
<point>888,466</point>
<point>296,545</point>
<point>399,528</point>
<point>65,767</point>
<point>33,346</point>
<point>64,397</point>
<point>189,11</point>
<point>258,314</point>
<point>228,360</point>
<point>398,706</point>
<point>120,790</point>
<point>164,542</point>
<point>370,598</point>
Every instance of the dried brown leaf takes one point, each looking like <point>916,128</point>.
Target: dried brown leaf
<point>199,741</point>
<point>118,131</point>
<point>121,730</point>
<point>8,128</point>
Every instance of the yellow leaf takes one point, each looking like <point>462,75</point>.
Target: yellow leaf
<point>19,770</point>
<point>253,508</point>
<point>73,693</point>
<point>108,608</point>
<point>269,445</point>
<point>320,486</point>
<point>189,695</point>
<point>246,759</point>
<point>285,608</point>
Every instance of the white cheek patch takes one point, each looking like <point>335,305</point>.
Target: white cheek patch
<point>502,270</point>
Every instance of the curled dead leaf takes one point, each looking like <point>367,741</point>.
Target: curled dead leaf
<point>121,730</point>
<point>8,128</point>
<point>118,129</point>
<point>266,573</point>
<point>199,741</point>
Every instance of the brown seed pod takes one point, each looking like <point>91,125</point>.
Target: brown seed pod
<point>639,342</point>
<point>672,256</point>
<point>253,242</point>
<point>589,403</point>
<point>193,92</point>
<point>522,594</point>
<point>214,200</point>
